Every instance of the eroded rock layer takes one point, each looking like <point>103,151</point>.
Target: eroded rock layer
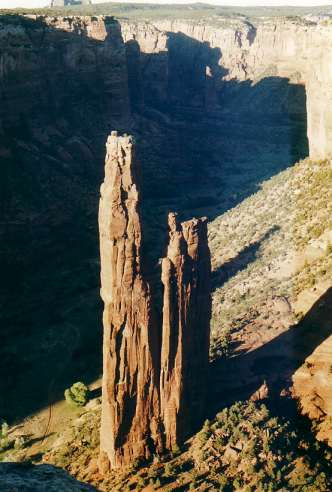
<point>154,378</point>
<point>186,330</point>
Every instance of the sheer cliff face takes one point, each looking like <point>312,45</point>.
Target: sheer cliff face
<point>63,87</point>
<point>144,410</point>
<point>70,68</point>
<point>213,60</point>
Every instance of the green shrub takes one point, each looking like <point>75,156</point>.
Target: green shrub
<point>4,439</point>
<point>169,470</point>
<point>77,395</point>
<point>19,443</point>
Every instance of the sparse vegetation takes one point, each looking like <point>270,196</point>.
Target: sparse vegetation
<point>247,447</point>
<point>243,448</point>
<point>285,229</point>
<point>197,12</point>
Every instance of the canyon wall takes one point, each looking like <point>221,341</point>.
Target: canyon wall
<point>63,88</point>
<point>216,58</point>
<point>155,374</point>
<point>74,68</point>
<point>66,82</point>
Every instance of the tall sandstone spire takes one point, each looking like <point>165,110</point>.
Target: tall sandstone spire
<point>185,329</point>
<point>130,410</point>
<point>154,374</point>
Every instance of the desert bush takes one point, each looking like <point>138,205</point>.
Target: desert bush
<point>77,395</point>
<point>141,483</point>
<point>176,450</point>
<point>19,443</point>
<point>4,438</point>
<point>168,470</point>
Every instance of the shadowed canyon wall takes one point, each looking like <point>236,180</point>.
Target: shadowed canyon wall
<point>292,50</point>
<point>216,110</point>
<point>63,87</point>
<point>154,379</point>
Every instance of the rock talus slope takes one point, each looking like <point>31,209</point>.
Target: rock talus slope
<point>146,410</point>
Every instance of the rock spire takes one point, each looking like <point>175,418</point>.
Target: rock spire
<point>154,371</point>
<point>185,328</point>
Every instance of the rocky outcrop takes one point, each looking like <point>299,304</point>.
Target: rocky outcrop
<point>312,382</point>
<point>313,389</point>
<point>145,409</point>
<point>186,330</point>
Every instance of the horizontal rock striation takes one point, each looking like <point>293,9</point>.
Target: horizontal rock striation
<point>154,377</point>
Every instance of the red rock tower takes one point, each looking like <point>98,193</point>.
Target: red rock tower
<point>186,328</point>
<point>154,371</point>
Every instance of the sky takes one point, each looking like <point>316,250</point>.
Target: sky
<point>43,3</point>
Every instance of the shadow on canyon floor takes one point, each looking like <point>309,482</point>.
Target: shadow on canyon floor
<point>37,478</point>
<point>273,363</point>
<point>241,261</point>
<point>204,144</point>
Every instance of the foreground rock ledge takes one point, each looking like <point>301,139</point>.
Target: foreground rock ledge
<point>154,378</point>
